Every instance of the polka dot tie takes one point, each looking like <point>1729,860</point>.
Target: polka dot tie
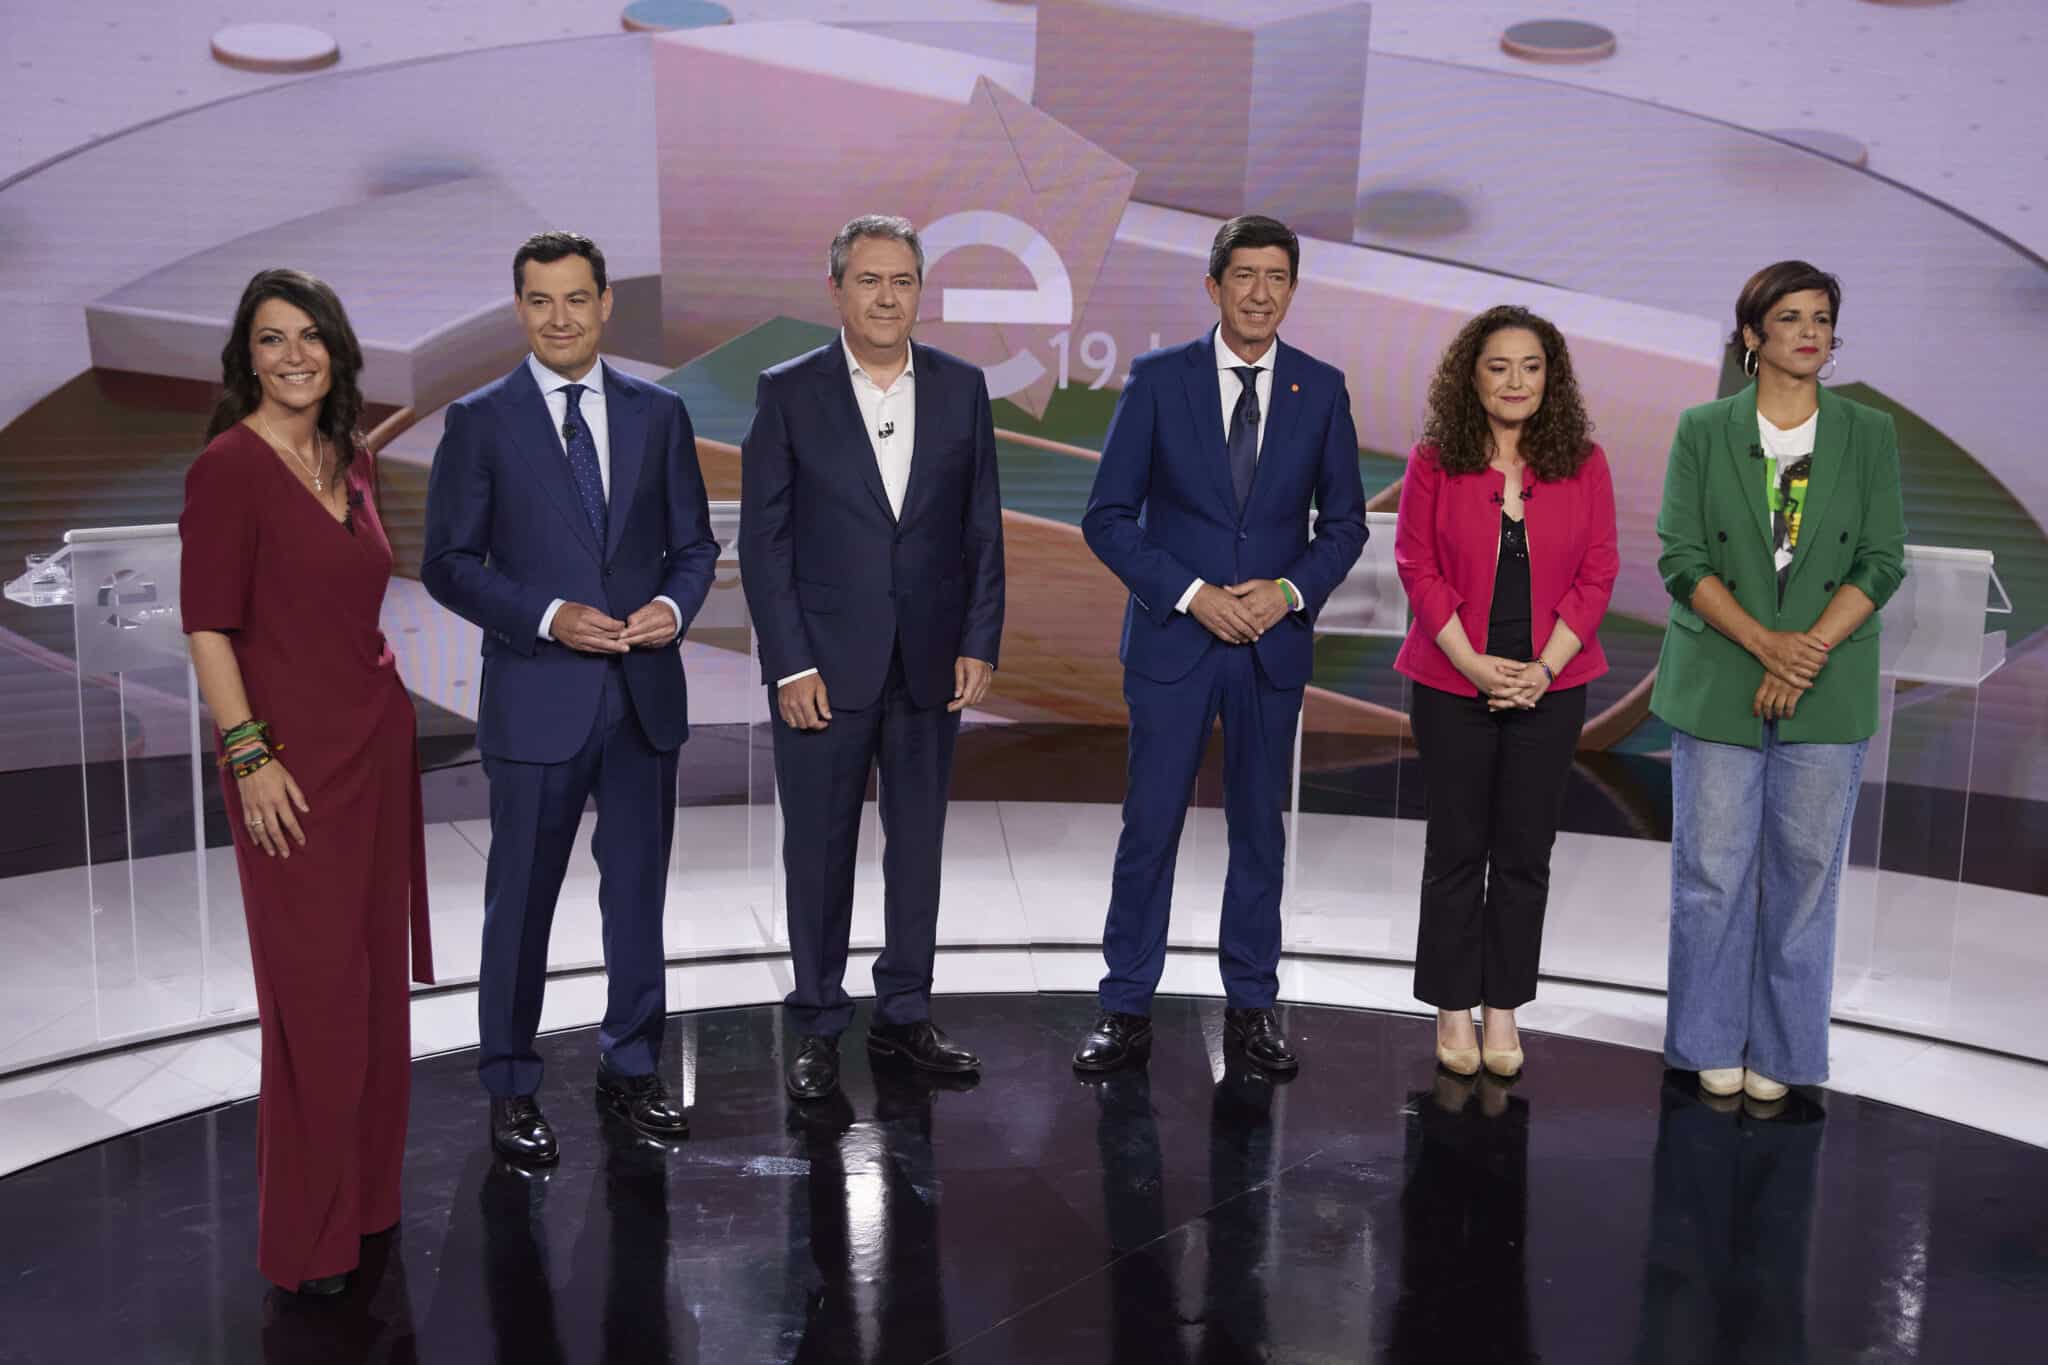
<point>583,462</point>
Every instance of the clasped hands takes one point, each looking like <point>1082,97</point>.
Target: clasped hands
<point>805,705</point>
<point>1792,659</point>
<point>590,631</point>
<point>1241,613</point>
<point>1507,684</point>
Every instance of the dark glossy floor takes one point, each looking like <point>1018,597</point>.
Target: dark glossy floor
<point>1597,1210</point>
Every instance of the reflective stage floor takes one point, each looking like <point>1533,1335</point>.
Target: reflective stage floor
<point>1597,1209</point>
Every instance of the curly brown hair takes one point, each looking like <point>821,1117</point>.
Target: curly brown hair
<point>1555,441</point>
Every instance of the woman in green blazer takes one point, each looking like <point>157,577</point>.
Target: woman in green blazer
<point>1783,534</point>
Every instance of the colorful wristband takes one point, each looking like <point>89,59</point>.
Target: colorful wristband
<point>1293,598</point>
<point>1546,672</point>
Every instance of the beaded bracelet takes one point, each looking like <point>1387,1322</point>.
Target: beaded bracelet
<point>1546,672</point>
<point>248,729</point>
<point>248,766</point>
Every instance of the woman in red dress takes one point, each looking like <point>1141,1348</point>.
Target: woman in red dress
<point>284,570</point>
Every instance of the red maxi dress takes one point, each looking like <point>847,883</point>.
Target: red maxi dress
<point>298,594</point>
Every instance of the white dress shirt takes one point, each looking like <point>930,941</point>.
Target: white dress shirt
<point>892,410</point>
<point>1231,388</point>
<point>592,410</point>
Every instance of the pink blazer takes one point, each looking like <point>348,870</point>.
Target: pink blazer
<point>1446,544</point>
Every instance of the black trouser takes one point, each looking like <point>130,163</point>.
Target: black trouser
<point>1495,782</point>
<point>821,778</point>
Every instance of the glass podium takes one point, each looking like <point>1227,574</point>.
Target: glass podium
<point>161,945</point>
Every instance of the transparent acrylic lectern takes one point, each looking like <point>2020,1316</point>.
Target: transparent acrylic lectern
<point>155,950</point>
<point>1896,931</point>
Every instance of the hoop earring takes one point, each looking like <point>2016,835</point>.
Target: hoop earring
<point>1827,371</point>
<point>1749,362</point>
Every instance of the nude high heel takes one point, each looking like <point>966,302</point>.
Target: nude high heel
<point>1459,1061</point>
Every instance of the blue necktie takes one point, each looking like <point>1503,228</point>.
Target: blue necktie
<point>583,462</point>
<point>1244,434</point>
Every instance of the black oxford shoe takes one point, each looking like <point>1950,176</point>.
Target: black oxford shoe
<point>1258,1033</point>
<point>813,1073</point>
<point>520,1132</point>
<point>326,1287</point>
<point>1117,1039</point>
<point>642,1101</point>
<point>922,1044</point>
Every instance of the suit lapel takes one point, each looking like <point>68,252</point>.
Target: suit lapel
<point>626,422</point>
<point>1830,449</point>
<point>1283,409</point>
<point>1205,406</point>
<point>1741,439</point>
<point>534,437</point>
<point>835,391</point>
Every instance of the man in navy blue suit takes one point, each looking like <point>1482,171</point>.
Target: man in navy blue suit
<point>871,549</point>
<point>1217,452</point>
<point>566,517</point>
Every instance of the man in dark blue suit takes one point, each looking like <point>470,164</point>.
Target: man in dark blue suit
<point>871,549</point>
<point>566,517</point>
<point>1216,453</point>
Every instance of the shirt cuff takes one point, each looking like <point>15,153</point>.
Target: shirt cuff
<point>674,611</point>
<point>1189,596</point>
<point>1300,602</point>
<point>784,682</point>
<point>547,618</point>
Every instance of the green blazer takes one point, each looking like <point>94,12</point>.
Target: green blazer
<point>1716,520</point>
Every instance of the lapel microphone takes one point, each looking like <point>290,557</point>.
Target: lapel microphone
<point>1756,451</point>
<point>886,430</point>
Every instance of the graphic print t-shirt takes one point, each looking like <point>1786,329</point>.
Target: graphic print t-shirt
<point>1788,458</point>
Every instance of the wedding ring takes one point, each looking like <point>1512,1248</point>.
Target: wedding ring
<point>257,824</point>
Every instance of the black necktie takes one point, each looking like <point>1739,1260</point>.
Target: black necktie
<point>1244,433</point>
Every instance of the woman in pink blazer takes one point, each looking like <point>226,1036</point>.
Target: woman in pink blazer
<point>1505,544</point>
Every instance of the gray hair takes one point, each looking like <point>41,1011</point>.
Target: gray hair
<point>874,225</point>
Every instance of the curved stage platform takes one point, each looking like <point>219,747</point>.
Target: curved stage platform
<point>1597,1209</point>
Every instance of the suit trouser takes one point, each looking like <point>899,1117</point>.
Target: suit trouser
<point>821,778</point>
<point>1494,783</point>
<point>536,809</point>
<point>1170,724</point>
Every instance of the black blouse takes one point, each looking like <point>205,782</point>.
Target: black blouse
<point>1507,624</point>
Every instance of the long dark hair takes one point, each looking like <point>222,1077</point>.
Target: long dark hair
<point>342,408</point>
<point>1555,441</point>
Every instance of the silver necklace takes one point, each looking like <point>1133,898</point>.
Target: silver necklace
<point>313,470</point>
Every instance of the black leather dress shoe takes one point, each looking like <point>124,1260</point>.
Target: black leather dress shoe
<point>813,1073</point>
<point>1117,1039</point>
<point>642,1101</point>
<point>326,1287</point>
<point>520,1132</point>
<point>922,1044</point>
<point>1258,1033</point>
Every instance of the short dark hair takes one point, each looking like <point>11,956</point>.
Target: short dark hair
<point>1253,230</point>
<point>547,247</point>
<point>1773,283</point>
<point>242,392</point>
<point>872,225</point>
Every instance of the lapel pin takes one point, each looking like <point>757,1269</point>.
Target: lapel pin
<point>1294,388</point>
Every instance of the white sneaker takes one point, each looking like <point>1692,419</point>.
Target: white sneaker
<point>1721,1080</point>
<point>1760,1087</point>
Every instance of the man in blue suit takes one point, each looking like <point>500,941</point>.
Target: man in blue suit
<point>566,517</point>
<point>1216,453</point>
<point>871,549</point>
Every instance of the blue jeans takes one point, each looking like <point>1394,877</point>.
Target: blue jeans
<point>1757,838</point>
